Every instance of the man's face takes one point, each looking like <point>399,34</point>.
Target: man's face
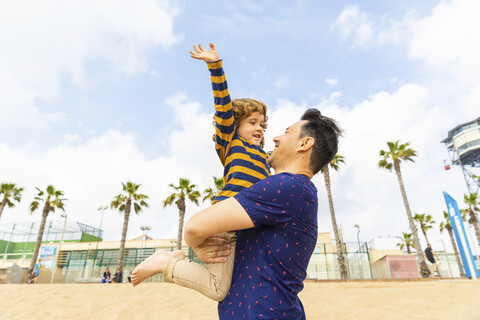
<point>285,146</point>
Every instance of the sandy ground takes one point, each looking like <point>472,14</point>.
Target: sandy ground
<point>448,299</point>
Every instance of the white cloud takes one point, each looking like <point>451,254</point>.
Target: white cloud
<point>331,81</point>
<point>51,41</point>
<point>354,25</point>
<point>357,27</point>
<point>17,103</point>
<point>56,117</point>
<point>369,196</point>
<point>448,39</point>
<point>362,192</point>
<point>423,114</point>
<point>397,32</point>
<point>71,137</point>
<point>90,172</point>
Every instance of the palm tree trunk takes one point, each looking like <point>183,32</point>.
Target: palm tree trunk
<point>474,221</point>
<point>181,214</point>
<point>340,258</point>
<point>121,251</point>
<point>424,271</point>
<point>46,210</point>
<point>425,234</point>
<point>408,249</point>
<point>455,250</point>
<point>2,205</point>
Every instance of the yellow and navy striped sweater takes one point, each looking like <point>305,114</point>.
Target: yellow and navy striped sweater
<point>244,163</point>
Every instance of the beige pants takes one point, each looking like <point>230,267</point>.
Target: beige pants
<point>212,280</point>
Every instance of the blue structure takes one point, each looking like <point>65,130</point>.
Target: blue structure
<point>456,221</point>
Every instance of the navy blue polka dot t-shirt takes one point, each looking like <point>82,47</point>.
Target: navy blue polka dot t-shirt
<point>271,259</point>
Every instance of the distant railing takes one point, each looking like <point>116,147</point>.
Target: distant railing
<point>22,259</point>
<point>323,263</point>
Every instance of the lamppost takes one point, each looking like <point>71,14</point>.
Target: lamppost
<point>101,208</point>
<point>144,229</point>
<point>358,241</point>
<point>358,238</point>
<point>57,255</point>
<point>8,244</point>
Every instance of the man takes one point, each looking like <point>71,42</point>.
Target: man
<point>429,253</point>
<point>277,223</point>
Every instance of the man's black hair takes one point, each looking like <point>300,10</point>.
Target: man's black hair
<point>325,131</point>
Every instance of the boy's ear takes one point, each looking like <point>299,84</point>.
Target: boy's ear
<point>306,143</point>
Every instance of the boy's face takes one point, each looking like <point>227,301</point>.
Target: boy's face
<point>251,128</point>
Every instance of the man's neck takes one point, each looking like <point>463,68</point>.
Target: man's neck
<point>295,170</point>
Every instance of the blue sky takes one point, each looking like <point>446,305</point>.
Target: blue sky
<point>93,94</point>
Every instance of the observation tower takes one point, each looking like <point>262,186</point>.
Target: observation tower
<point>463,145</point>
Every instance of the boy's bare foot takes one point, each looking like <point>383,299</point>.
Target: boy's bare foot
<point>153,265</point>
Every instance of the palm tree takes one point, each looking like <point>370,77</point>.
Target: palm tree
<point>391,159</point>
<point>123,202</point>
<point>211,193</point>
<point>182,191</point>
<point>426,223</point>
<point>448,226</point>
<point>335,165</point>
<point>406,241</point>
<point>476,178</point>
<point>52,199</point>
<point>473,207</point>
<point>10,192</point>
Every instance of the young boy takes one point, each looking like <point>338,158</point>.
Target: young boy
<point>239,128</point>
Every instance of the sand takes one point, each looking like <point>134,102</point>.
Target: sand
<point>447,299</point>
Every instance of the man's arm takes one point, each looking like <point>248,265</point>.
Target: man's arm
<point>227,215</point>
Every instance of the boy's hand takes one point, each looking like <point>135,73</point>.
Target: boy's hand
<point>205,55</point>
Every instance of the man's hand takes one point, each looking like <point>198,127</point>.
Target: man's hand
<point>213,250</point>
<point>205,55</point>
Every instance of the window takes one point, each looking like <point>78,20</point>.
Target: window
<point>469,145</point>
<point>465,128</point>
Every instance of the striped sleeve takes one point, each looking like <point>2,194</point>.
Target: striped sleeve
<point>224,120</point>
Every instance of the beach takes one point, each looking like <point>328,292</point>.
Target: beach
<point>443,299</point>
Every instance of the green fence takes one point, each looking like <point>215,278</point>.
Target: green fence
<point>324,263</point>
<point>91,264</point>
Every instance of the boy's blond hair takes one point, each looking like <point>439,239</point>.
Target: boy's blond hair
<point>243,108</point>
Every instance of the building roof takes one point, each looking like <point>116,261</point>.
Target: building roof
<point>450,133</point>
<point>142,237</point>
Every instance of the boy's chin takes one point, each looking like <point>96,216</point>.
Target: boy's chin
<point>257,143</point>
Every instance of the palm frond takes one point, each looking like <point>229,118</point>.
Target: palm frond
<point>169,200</point>
<point>34,206</point>
<point>336,161</point>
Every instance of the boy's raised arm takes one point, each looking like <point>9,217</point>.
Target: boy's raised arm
<point>205,55</point>
<point>224,118</point>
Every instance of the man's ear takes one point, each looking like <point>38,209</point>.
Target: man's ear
<point>306,143</point>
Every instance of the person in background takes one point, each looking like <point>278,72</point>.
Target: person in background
<point>117,277</point>
<point>107,276</point>
<point>429,253</point>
